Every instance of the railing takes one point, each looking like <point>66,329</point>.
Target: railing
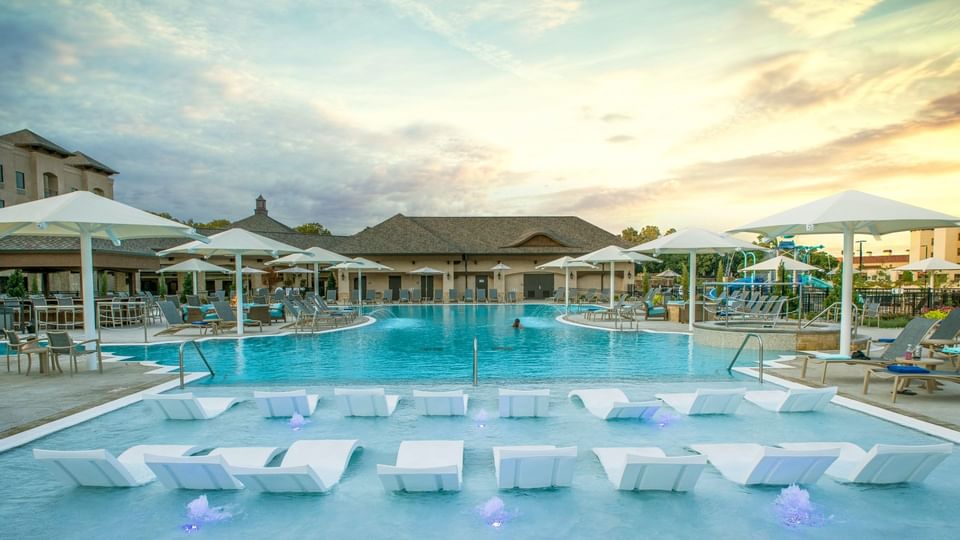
<point>120,314</point>
<point>475,374</point>
<point>759,353</point>
<point>202,357</point>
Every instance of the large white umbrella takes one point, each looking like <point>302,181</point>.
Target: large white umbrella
<point>87,216</point>
<point>930,266</point>
<point>236,243</point>
<point>668,273</point>
<point>295,270</point>
<point>693,241</point>
<point>773,264</point>
<point>612,255</point>
<point>315,256</point>
<point>425,271</point>
<point>849,213</point>
<point>566,263</point>
<point>360,264</point>
<point>194,266</point>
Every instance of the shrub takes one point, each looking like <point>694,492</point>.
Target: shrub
<point>15,285</point>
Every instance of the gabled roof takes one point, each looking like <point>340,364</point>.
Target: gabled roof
<point>398,234</point>
<point>261,223</point>
<point>28,139</point>
<point>83,161</point>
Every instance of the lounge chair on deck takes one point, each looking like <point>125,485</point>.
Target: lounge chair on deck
<point>228,318</point>
<point>387,296</point>
<point>494,296</point>
<point>211,471</point>
<point>404,296</point>
<point>650,469</point>
<point>274,404</point>
<point>532,467</point>
<point>365,402</point>
<point>332,296</point>
<point>512,296</point>
<point>706,401</point>
<point>174,319</point>
<point>792,400</point>
<point>453,296</point>
<point>452,403</point>
<point>523,403</point>
<point>947,332</point>
<point>307,467</point>
<point>753,464</point>
<point>438,296</point>
<point>903,374</point>
<point>468,295</point>
<point>482,296</point>
<point>612,403</point>
<point>186,407</point>
<point>425,466</point>
<point>415,296</point>
<point>882,464</point>
<point>98,468</point>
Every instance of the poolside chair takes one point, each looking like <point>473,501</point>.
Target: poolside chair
<point>793,400</point>
<point>753,464</point>
<point>174,319</point>
<point>370,297</point>
<point>494,296</point>
<point>523,403</point>
<point>187,407</point>
<point>387,296</point>
<point>19,345</point>
<point>705,401</point>
<point>193,300</point>
<point>415,296</point>
<point>946,333</point>
<point>228,319</point>
<point>468,295</point>
<point>871,310</point>
<point>211,471</point>
<point>99,468</point>
<point>533,467</point>
<point>452,403</point>
<point>453,296</point>
<point>307,467</point>
<point>612,403</point>
<point>404,296</point>
<point>438,296</point>
<point>364,402</point>
<point>332,296</point>
<point>273,404</point>
<point>882,464</point>
<point>61,343</point>
<point>650,469</point>
<point>512,296</point>
<point>654,312</point>
<point>482,296</point>
<point>901,375</point>
<point>354,297</point>
<point>425,466</point>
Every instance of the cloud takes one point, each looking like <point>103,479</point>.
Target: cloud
<point>621,139</point>
<point>817,18</point>
<point>535,16</point>
<point>615,117</point>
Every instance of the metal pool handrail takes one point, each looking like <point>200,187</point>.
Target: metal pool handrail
<point>759,353</point>
<point>202,357</point>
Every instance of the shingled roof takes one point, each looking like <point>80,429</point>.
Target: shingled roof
<point>83,161</point>
<point>16,243</point>
<point>28,139</point>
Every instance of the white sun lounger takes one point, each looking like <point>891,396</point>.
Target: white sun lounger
<point>187,407</point>
<point>364,401</point>
<point>523,403</point>
<point>883,464</point>
<point>753,464</point>
<point>531,467</point>
<point>425,466</point>
<point>452,403</point>
<point>286,403</point>
<point>706,401</point>
<point>610,403</point>
<point>793,400</point>
<point>650,469</point>
<point>98,468</point>
<point>307,467</point>
<point>211,471</point>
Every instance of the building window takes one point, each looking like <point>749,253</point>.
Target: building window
<point>4,204</point>
<point>1,173</point>
<point>21,182</point>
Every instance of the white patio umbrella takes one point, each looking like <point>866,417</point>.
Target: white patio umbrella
<point>425,271</point>
<point>237,243</point>
<point>693,241</point>
<point>566,263</point>
<point>295,270</point>
<point>194,266</point>
<point>773,264</point>
<point>930,266</point>
<point>668,274</point>
<point>360,264</point>
<point>87,216</point>
<point>849,213</point>
<point>315,256</point>
<point>612,255</point>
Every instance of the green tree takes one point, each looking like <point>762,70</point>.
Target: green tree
<point>162,287</point>
<point>906,277</point>
<point>188,284</point>
<point>331,282</point>
<point>165,215</point>
<point>16,284</point>
<point>219,223</point>
<point>34,285</point>
<point>312,228</point>
<point>103,284</point>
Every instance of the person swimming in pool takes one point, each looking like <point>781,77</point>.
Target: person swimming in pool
<point>516,324</point>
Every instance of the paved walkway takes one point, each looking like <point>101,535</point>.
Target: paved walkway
<point>135,334</point>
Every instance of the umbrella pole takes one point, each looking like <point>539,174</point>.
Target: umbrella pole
<point>360,289</point>
<point>316,278</point>
<point>566,290</point>
<point>196,284</point>
<point>238,263</point>
<point>86,283</point>
<point>846,305</point>
<point>693,291</point>
<point>612,266</point>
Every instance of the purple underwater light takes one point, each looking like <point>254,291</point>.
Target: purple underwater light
<point>297,422</point>
<point>199,512</point>
<point>481,418</point>
<point>494,513</point>
<point>794,509</point>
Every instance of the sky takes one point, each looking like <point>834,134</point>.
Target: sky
<point>625,113</point>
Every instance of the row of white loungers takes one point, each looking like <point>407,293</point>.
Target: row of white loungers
<point>312,466</point>
<point>605,403</point>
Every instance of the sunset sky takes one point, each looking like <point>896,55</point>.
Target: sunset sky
<point>625,113</point>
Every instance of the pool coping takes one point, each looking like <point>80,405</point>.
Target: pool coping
<point>560,319</point>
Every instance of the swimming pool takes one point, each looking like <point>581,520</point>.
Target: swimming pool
<point>416,343</point>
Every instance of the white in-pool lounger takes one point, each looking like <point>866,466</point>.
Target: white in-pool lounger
<point>650,469</point>
<point>365,402</point>
<point>211,471</point>
<point>98,468</point>
<point>452,403</point>
<point>883,464</point>
<point>532,467</point>
<point>793,400</point>
<point>706,401</point>
<point>753,464</point>
<point>286,403</point>
<point>307,467</point>
<point>187,407</point>
<point>425,466</point>
<point>611,403</point>
<point>524,403</point>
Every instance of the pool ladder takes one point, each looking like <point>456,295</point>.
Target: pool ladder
<point>202,357</point>
<point>759,353</point>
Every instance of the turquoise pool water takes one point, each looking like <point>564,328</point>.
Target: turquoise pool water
<point>415,343</point>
